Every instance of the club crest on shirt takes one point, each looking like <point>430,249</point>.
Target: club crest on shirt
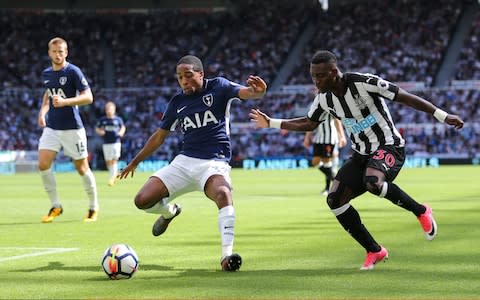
<point>63,80</point>
<point>208,100</point>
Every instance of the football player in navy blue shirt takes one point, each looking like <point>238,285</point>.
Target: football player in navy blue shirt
<point>66,89</point>
<point>202,112</point>
<point>112,129</point>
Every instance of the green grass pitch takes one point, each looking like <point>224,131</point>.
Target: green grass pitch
<point>291,244</point>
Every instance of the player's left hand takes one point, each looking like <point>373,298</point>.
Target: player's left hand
<point>58,101</point>
<point>257,83</point>
<point>455,121</point>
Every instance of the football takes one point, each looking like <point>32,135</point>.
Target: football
<point>120,261</point>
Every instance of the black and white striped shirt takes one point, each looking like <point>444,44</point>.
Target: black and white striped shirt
<point>326,132</point>
<point>363,112</point>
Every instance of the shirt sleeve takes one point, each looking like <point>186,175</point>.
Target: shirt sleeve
<point>231,88</point>
<point>382,87</point>
<point>169,119</point>
<point>316,112</point>
<point>80,81</point>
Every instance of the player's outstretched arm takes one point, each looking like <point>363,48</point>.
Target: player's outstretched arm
<point>155,141</point>
<point>256,88</point>
<point>423,105</point>
<point>262,120</point>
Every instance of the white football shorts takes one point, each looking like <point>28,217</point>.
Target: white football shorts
<point>111,151</point>
<point>73,142</point>
<point>187,174</point>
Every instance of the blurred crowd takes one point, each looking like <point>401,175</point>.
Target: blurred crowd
<point>130,59</point>
<point>468,65</point>
<point>142,110</point>
<point>398,40</point>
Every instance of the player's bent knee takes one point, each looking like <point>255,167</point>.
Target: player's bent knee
<point>223,197</point>
<point>142,201</point>
<point>43,167</point>
<point>373,184</point>
<point>333,200</point>
<point>339,195</point>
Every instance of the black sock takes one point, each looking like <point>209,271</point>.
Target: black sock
<point>328,175</point>
<point>402,199</point>
<point>351,222</point>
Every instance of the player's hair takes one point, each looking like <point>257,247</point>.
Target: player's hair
<point>110,103</point>
<point>324,56</point>
<point>57,40</point>
<point>192,60</point>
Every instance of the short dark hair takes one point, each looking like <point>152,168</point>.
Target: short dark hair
<point>324,56</point>
<point>192,60</point>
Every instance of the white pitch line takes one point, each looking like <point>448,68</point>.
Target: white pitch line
<point>45,251</point>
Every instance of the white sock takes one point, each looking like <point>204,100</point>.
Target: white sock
<point>110,171</point>
<point>90,187</point>
<point>163,208</point>
<point>113,171</point>
<point>50,185</point>
<point>226,226</point>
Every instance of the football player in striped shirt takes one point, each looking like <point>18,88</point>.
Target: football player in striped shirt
<point>202,110</point>
<point>328,135</point>
<point>358,100</point>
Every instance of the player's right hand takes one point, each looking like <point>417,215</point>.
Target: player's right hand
<point>41,121</point>
<point>261,120</point>
<point>130,169</point>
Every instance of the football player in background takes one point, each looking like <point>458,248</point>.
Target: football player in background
<point>66,89</point>
<point>202,112</point>
<point>111,128</point>
<point>358,101</point>
<point>324,139</point>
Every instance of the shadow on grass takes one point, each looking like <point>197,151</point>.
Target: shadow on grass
<point>189,272</point>
<point>58,266</point>
<point>36,223</point>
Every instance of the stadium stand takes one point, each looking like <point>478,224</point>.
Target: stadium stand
<point>136,71</point>
<point>468,65</point>
<point>374,39</point>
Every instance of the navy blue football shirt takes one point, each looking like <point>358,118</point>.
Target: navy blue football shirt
<point>204,118</point>
<point>112,127</point>
<point>66,83</point>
